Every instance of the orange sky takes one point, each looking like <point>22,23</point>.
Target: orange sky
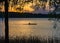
<point>27,7</point>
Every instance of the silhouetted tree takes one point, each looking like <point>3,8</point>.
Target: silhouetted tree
<point>56,4</point>
<point>6,21</point>
<point>43,0</point>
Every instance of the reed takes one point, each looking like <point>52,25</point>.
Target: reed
<point>30,40</point>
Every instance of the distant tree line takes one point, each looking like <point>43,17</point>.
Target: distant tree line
<point>27,15</point>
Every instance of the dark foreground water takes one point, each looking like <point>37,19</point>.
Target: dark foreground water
<point>19,27</point>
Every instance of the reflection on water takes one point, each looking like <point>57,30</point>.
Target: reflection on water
<point>42,29</point>
<point>2,27</point>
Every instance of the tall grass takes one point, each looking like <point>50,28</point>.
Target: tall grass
<point>30,40</point>
<point>34,40</point>
<point>2,40</point>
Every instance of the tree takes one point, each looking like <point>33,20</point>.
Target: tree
<point>56,4</point>
<point>43,0</point>
<point>6,21</point>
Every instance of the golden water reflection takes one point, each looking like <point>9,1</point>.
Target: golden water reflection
<point>18,28</point>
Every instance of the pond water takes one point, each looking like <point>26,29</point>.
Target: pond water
<point>20,27</point>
